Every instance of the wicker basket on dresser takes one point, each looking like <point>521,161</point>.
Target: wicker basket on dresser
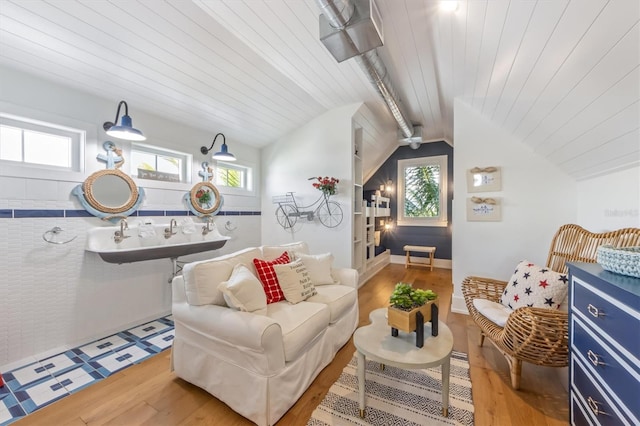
<point>604,333</point>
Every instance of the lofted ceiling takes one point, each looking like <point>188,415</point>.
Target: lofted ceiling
<point>562,76</point>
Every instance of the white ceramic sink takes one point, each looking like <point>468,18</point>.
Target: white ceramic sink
<point>145,246</point>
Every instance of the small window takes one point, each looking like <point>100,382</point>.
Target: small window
<point>233,176</point>
<point>149,162</point>
<point>422,191</point>
<point>38,144</point>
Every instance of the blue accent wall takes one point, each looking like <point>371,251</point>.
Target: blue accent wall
<point>395,239</point>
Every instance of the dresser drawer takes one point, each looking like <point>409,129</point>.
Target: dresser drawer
<point>593,397</point>
<point>613,317</point>
<point>610,369</point>
<point>579,416</point>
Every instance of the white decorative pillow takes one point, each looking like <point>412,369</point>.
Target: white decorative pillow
<point>271,252</point>
<point>536,286</point>
<point>243,291</point>
<point>295,281</point>
<point>319,267</point>
<point>495,312</point>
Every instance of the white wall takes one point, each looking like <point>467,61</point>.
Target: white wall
<point>610,202</point>
<point>537,198</point>
<point>320,148</point>
<point>53,297</point>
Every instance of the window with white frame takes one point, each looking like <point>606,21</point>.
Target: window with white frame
<point>37,144</point>
<point>422,191</point>
<point>233,176</point>
<point>150,162</point>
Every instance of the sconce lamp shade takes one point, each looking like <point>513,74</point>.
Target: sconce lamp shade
<point>223,154</point>
<point>125,130</point>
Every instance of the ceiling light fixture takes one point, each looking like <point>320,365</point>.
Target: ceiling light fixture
<point>448,6</point>
<point>125,130</point>
<point>223,154</point>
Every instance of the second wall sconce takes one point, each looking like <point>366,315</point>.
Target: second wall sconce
<point>125,130</point>
<point>223,154</point>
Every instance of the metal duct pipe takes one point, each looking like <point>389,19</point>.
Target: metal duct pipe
<point>377,73</point>
<point>338,13</point>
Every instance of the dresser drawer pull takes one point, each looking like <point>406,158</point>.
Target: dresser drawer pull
<point>594,358</point>
<point>594,406</point>
<point>594,311</point>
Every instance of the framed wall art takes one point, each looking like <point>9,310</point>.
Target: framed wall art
<point>484,209</point>
<point>484,179</point>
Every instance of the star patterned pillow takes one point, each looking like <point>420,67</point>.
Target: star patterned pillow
<point>536,286</point>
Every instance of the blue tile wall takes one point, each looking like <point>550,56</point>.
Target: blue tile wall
<point>29,213</point>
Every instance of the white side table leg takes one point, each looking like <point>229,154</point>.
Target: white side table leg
<point>361,369</point>
<point>446,368</point>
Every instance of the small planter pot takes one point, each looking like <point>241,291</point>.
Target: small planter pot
<point>410,321</point>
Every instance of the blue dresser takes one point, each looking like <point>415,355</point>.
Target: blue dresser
<point>604,333</point>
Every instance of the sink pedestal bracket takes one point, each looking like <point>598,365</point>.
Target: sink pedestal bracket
<point>176,268</point>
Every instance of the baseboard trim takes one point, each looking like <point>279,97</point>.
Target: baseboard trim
<point>437,263</point>
<point>458,306</point>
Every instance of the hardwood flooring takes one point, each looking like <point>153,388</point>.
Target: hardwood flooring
<point>149,394</point>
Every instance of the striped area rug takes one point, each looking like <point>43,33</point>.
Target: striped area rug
<point>398,397</point>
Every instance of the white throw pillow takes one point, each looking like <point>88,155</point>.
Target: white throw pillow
<point>319,267</point>
<point>243,291</point>
<point>495,312</point>
<point>295,281</point>
<point>271,252</point>
<point>535,286</point>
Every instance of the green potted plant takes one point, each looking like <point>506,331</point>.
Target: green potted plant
<point>405,301</point>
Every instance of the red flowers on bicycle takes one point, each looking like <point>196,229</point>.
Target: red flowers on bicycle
<point>328,185</point>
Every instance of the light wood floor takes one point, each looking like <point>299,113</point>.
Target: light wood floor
<point>148,394</point>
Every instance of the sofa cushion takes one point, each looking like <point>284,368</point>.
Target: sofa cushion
<point>201,279</point>
<point>243,291</point>
<point>268,276</point>
<point>271,252</point>
<point>319,267</point>
<point>536,286</point>
<point>294,281</point>
<point>495,312</point>
<point>338,298</point>
<point>300,323</point>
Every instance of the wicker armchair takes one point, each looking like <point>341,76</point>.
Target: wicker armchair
<point>539,335</point>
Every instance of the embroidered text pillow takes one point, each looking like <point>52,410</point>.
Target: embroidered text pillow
<point>268,277</point>
<point>295,281</point>
<point>536,286</point>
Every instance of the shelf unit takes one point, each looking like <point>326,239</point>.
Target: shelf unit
<point>370,234</point>
<point>358,255</point>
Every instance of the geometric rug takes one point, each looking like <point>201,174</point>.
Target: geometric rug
<point>398,397</point>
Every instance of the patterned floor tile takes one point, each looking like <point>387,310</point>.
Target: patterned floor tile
<point>148,329</point>
<point>40,383</point>
<point>37,396</point>
<point>79,378</point>
<point>31,373</point>
<point>102,346</point>
<point>161,341</point>
<point>10,409</point>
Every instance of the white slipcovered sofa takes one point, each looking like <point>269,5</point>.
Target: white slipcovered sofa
<point>258,363</point>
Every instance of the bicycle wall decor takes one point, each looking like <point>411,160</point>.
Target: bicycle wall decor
<point>329,213</point>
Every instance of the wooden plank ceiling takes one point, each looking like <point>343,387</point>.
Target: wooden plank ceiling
<point>563,76</point>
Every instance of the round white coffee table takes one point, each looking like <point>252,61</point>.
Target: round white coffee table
<point>375,342</point>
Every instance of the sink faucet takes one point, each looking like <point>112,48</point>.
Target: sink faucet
<point>168,232</point>
<point>208,228</point>
<point>118,236</point>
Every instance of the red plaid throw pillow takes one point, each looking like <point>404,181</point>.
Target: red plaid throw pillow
<point>268,277</point>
